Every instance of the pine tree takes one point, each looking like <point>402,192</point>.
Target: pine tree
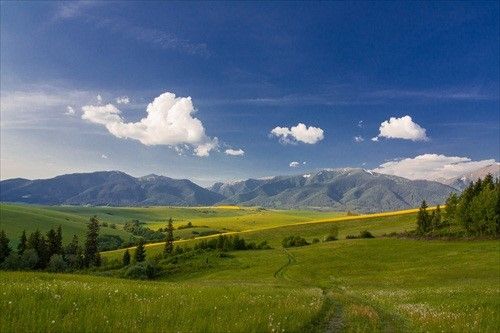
<point>37,242</point>
<point>126,258</point>
<point>91,251</point>
<point>72,247</point>
<point>423,219</point>
<point>21,247</point>
<point>4,246</point>
<point>140,251</point>
<point>436,218</point>
<point>451,208</point>
<point>51,243</point>
<point>169,243</point>
<point>59,238</point>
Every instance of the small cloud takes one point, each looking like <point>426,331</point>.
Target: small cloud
<point>374,139</point>
<point>99,98</point>
<point>358,139</point>
<point>304,163</point>
<point>123,100</point>
<point>104,156</point>
<point>402,128</point>
<point>69,111</point>
<point>299,133</point>
<point>360,124</point>
<point>235,152</point>
<point>294,164</point>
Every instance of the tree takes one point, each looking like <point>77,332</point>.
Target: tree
<point>126,258</point>
<point>169,243</point>
<point>37,242</point>
<point>423,219</point>
<point>21,247</point>
<point>4,246</point>
<point>436,218</point>
<point>140,251</point>
<point>72,247</point>
<point>91,251</point>
<point>451,208</point>
<point>52,243</point>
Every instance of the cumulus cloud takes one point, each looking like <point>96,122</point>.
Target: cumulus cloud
<point>169,121</point>
<point>432,167</point>
<point>104,156</point>
<point>122,100</point>
<point>299,133</point>
<point>99,98</point>
<point>358,139</point>
<point>401,128</point>
<point>294,164</point>
<point>235,152</point>
<point>69,111</point>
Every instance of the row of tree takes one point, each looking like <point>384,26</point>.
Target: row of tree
<point>476,210</point>
<point>39,251</point>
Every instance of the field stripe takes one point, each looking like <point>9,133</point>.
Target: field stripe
<point>334,219</point>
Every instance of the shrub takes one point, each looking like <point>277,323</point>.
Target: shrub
<point>366,234</point>
<point>294,241</point>
<point>29,259</point>
<point>144,270</point>
<point>333,235</point>
<point>57,264</point>
<point>315,240</point>
<point>11,262</point>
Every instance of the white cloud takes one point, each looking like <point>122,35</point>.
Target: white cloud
<point>299,133</point>
<point>104,156</point>
<point>69,111</point>
<point>401,128</point>
<point>374,139</point>
<point>432,167</point>
<point>358,139</point>
<point>169,121</point>
<point>122,100</point>
<point>294,164</point>
<point>360,124</point>
<point>235,152</point>
<point>99,98</point>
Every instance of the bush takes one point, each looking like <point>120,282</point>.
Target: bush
<point>57,264</point>
<point>29,259</point>
<point>333,235</point>
<point>109,242</point>
<point>11,262</point>
<point>144,270</point>
<point>293,241</point>
<point>362,234</point>
<point>366,234</point>
<point>315,240</point>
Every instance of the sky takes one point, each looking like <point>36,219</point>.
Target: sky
<point>215,91</point>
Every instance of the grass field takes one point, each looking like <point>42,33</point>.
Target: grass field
<point>360,285</point>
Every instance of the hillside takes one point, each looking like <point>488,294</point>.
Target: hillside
<point>461,182</point>
<point>346,189</point>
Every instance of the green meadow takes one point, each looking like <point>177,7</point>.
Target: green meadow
<point>382,284</point>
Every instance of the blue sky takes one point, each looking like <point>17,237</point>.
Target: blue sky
<point>342,68</point>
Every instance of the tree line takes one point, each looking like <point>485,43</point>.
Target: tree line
<point>39,252</point>
<point>474,212</point>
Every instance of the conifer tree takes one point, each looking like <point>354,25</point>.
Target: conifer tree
<point>4,246</point>
<point>21,247</point>
<point>91,251</point>
<point>140,251</point>
<point>51,243</point>
<point>126,258</point>
<point>169,243</point>
<point>436,218</point>
<point>37,242</point>
<point>423,219</point>
<point>72,247</point>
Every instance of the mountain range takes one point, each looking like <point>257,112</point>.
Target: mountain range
<point>345,189</point>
